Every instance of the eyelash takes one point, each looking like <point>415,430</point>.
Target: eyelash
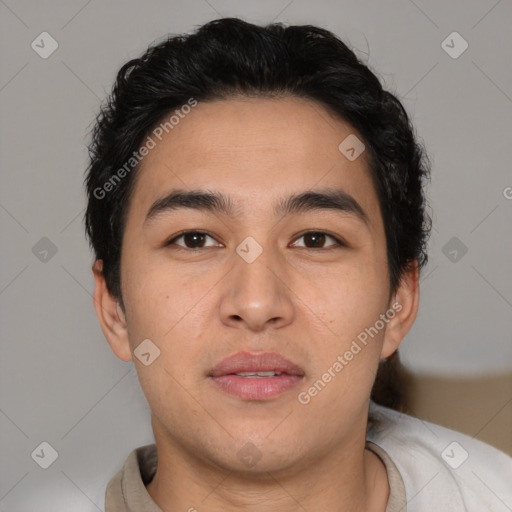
<point>339,243</point>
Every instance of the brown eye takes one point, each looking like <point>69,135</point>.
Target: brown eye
<point>191,240</point>
<point>317,239</point>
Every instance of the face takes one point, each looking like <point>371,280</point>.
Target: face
<point>308,283</point>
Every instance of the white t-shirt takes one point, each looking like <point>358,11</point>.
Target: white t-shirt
<point>443,470</point>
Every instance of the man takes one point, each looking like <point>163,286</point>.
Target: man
<point>257,213</point>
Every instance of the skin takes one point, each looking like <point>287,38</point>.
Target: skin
<point>308,304</point>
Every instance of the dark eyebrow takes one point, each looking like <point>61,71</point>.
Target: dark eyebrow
<point>215,202</point>
<point>328,199</point>
<point>193,199</point>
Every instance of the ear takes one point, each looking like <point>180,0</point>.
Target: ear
<point>110,315</point>
<point>405,304</point>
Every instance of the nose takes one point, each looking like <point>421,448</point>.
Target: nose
<point>256,294</point>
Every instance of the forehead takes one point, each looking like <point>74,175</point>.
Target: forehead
<point>254,150</point>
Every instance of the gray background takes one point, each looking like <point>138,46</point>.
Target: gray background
<point>60,383</point>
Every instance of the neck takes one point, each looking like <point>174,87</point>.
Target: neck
<point>347,478</point>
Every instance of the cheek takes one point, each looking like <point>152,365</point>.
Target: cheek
<point>166,307</point>
<point>348,354</point>
<point>154,296</point>
<point>161,309</point>
<point>352,299</point>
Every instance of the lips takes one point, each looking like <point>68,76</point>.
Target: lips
<point>256,377</point>
<point>245,362</point>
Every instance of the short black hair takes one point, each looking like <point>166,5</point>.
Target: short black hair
<point>229,57</point>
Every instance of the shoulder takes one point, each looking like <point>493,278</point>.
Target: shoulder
<point>127,489</point>
<point>442,467</point>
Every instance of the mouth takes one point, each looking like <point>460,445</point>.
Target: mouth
<point>257,376</point>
